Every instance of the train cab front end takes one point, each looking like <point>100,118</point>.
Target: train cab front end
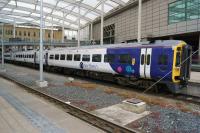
<point>181,66</point>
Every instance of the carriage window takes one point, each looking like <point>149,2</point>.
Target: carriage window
<point>69,57</point>
<point>51,57</point>
<point>86,58</point>
<point>142,59</point>
<point>96,58</point>
<point>178,59</point>
<point>77,57</point>
<point>57,57</point>
<point>62,57</point>
<point>109,58</point>
<point>148,59</point>
<point>125,59</point>
<point>163,60</point>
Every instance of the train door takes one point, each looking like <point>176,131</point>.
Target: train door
<point>145,62</point>
<point>142,63</point>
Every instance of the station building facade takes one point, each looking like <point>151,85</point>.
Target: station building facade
<point>161,19</point>
<point>31,34</point>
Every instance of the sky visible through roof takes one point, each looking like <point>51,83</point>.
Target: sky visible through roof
<point>57,12</point>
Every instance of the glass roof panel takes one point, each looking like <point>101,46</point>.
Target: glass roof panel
<point>82,10</point>
<point>12,2</point>
<point>20,11</point>
<point>91,15</point>
<point>47,10</point>
<point>125,1</point>
<point>7,9</point>
<point>107,8</point>
<point>93,3</point>
<point>58,13</point>
<point>83,22</point>
<point>29,10</point>
<point>35,14</point>
<point>70,7</point>
<point>111,3</point>
<point>52,2</point>
<point>66,23</point>
<point>74,26</point>
<point>22,4</point>
<point>71,17</point>
<point>62,4</point>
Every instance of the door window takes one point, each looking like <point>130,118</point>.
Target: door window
<point>142,59</point>
<point>148,59</point>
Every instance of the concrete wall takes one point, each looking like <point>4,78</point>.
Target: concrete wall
<point>154,22</point>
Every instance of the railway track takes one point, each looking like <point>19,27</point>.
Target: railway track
<point>182,96</point>
<point>188,98</point>
<point>88,117</point>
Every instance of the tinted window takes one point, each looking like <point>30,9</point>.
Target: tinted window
<point>96,58</point>
<point>57,57</point>
<point>51,57</point>
<point>77,57</point>
<point>125,59</point>
<point>86,58</point>
<point>148,59</point>
<point>109,58</point>
<point>69,57</point>
<point>62,57</point>
<point>178,59</point>
<point>163,60</point>
<point>142,59</point>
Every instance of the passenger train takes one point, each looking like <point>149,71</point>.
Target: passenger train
<point>139,64</point>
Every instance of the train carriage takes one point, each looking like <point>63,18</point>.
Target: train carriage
<point>167,60</point>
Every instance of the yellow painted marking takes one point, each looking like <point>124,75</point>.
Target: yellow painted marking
<point>176,71</point>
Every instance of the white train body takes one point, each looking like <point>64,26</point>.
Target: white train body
<point>32,56</point>
<point>87,64</point>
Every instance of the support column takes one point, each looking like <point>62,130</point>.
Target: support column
<point>63,29</point>
<point>52,31</point>
<point>2,51</point>
<point>91,31</point>
<point>102,21</point>
<point>78,35</point>
<point>41,83</point>
<point>14,29</point>
<point>139,20</point>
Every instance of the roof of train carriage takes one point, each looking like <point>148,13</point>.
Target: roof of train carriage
<point>159,43</point>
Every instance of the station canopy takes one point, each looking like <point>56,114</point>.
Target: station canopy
<point>57,12</point>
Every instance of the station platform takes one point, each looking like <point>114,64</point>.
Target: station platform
<point>195,77</point>
<point>23,112</point>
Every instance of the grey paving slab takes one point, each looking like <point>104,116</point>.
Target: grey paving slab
<point>195,77</point>
<point>22,112</point>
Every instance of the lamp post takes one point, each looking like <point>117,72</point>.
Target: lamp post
<point>139,20</point>
<point>102,22</point>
